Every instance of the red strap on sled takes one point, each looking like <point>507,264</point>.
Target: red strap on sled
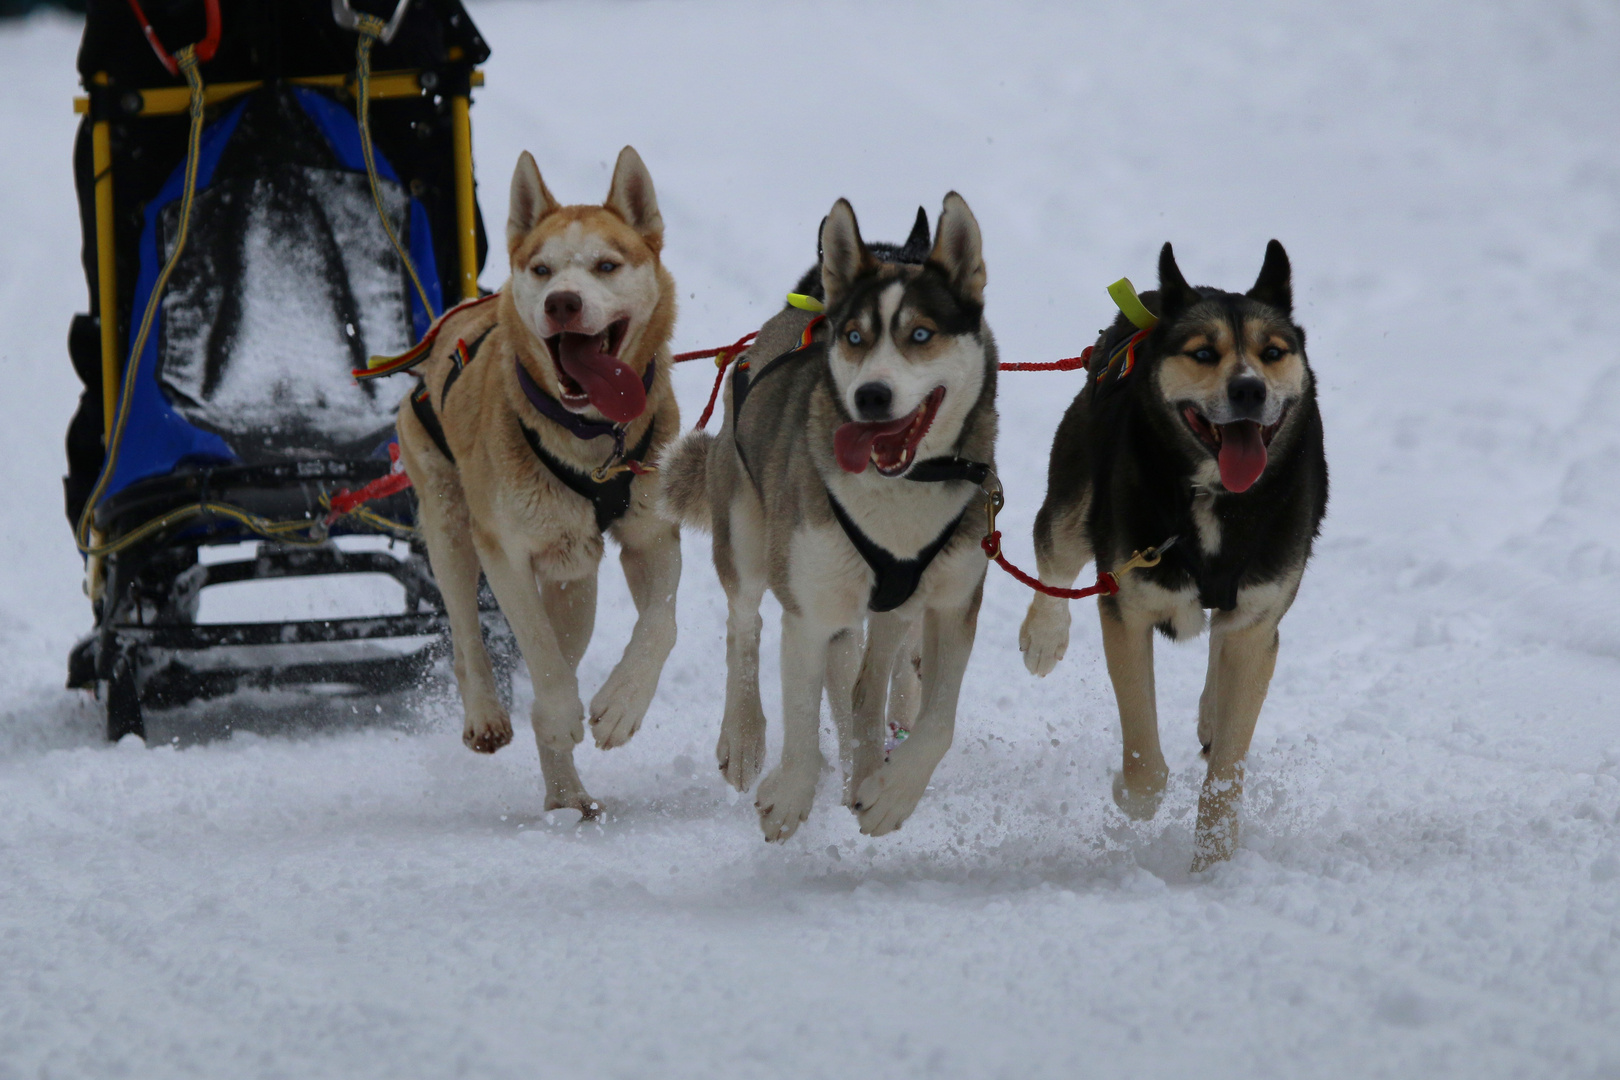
<point>204,49</point>
<point>345,501</point>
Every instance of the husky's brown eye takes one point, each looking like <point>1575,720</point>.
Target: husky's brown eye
<point>1271,353</point>
<point>1206,355</point>
<point>542,270</point>
<point>606,266</point>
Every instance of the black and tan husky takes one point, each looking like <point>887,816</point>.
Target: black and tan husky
<point>1205,430</point>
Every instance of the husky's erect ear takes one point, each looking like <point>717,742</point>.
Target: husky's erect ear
<point>958,249</point>
<point>1275,285</point>
<point>844,256</point>
<point>530,201</point>
<point>1174,292</point>
<point>915,249</point>
<point>631,196</point>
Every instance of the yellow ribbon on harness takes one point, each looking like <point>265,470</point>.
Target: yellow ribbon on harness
<point>806,303</point>
<point>1131,306</point>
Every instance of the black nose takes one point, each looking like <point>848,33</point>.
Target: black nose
<point>1248,397</point>
<point>873,401</point>
<point>563,306</point>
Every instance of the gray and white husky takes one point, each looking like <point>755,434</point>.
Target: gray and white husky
<point>844,479</point>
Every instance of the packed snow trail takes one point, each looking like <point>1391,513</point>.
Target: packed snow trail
<point>1429,877</point>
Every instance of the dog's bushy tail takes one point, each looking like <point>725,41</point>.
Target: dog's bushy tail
<point>683,488</point>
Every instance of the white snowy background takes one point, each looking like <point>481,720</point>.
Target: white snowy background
<point>1429,879</point>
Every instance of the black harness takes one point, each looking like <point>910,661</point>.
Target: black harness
<point>894,579</point>
<point>609,498</point>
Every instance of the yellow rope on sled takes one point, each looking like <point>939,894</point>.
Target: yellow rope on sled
<point>371,29</point>
<point>187,59</point>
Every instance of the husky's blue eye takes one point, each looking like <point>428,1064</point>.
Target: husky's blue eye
<point>541,270</point>
<point>1205,356</point>
<point>853,337</point>
<point>606,266</point>
<point>921,334</point>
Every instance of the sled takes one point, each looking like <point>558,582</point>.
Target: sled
<point>326,147</point>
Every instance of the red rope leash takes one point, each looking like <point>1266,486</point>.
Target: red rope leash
<point>1073,363</point>
<point>723,357</point>
<point>703,354</point>
<point>1107,584</point>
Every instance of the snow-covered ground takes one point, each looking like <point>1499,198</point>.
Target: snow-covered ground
<point>1429,880</point>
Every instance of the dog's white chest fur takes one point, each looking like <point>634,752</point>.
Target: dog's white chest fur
<point>1207,523</point>
<point>827,577</point>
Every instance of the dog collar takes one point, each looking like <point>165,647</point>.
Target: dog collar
<point>941,469</point>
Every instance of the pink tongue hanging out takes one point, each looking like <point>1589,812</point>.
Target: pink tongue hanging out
<point>852,442</point>
<point>1242,455</point>
<point>612,385</point>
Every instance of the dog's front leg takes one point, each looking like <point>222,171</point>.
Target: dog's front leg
<point>1209,700</point>
<point>1062,550</point>
<point>442,508</point>
<point>651,557</point>
<point>1128,645</point>
<point>558,717</point>
<point>886,634</point>
<point>905,684</point>
<point>1242,662</point>
<point>843,668</point>
<point>886,799</point>
<point>739,559</point>
<point>785,796</point>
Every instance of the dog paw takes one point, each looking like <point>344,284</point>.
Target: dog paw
<point>559,725</point>
<point>578,799</point>
<point>866,759</point>
<point>783,803</point>
<point>487,731</point>
<point>741,750</point>
<point>1215,837</point>
<point>886,799</point>
<point>619,707</point>
<point>1139,799</point>
<point>1044,637</point>
<point>1214,840</point>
